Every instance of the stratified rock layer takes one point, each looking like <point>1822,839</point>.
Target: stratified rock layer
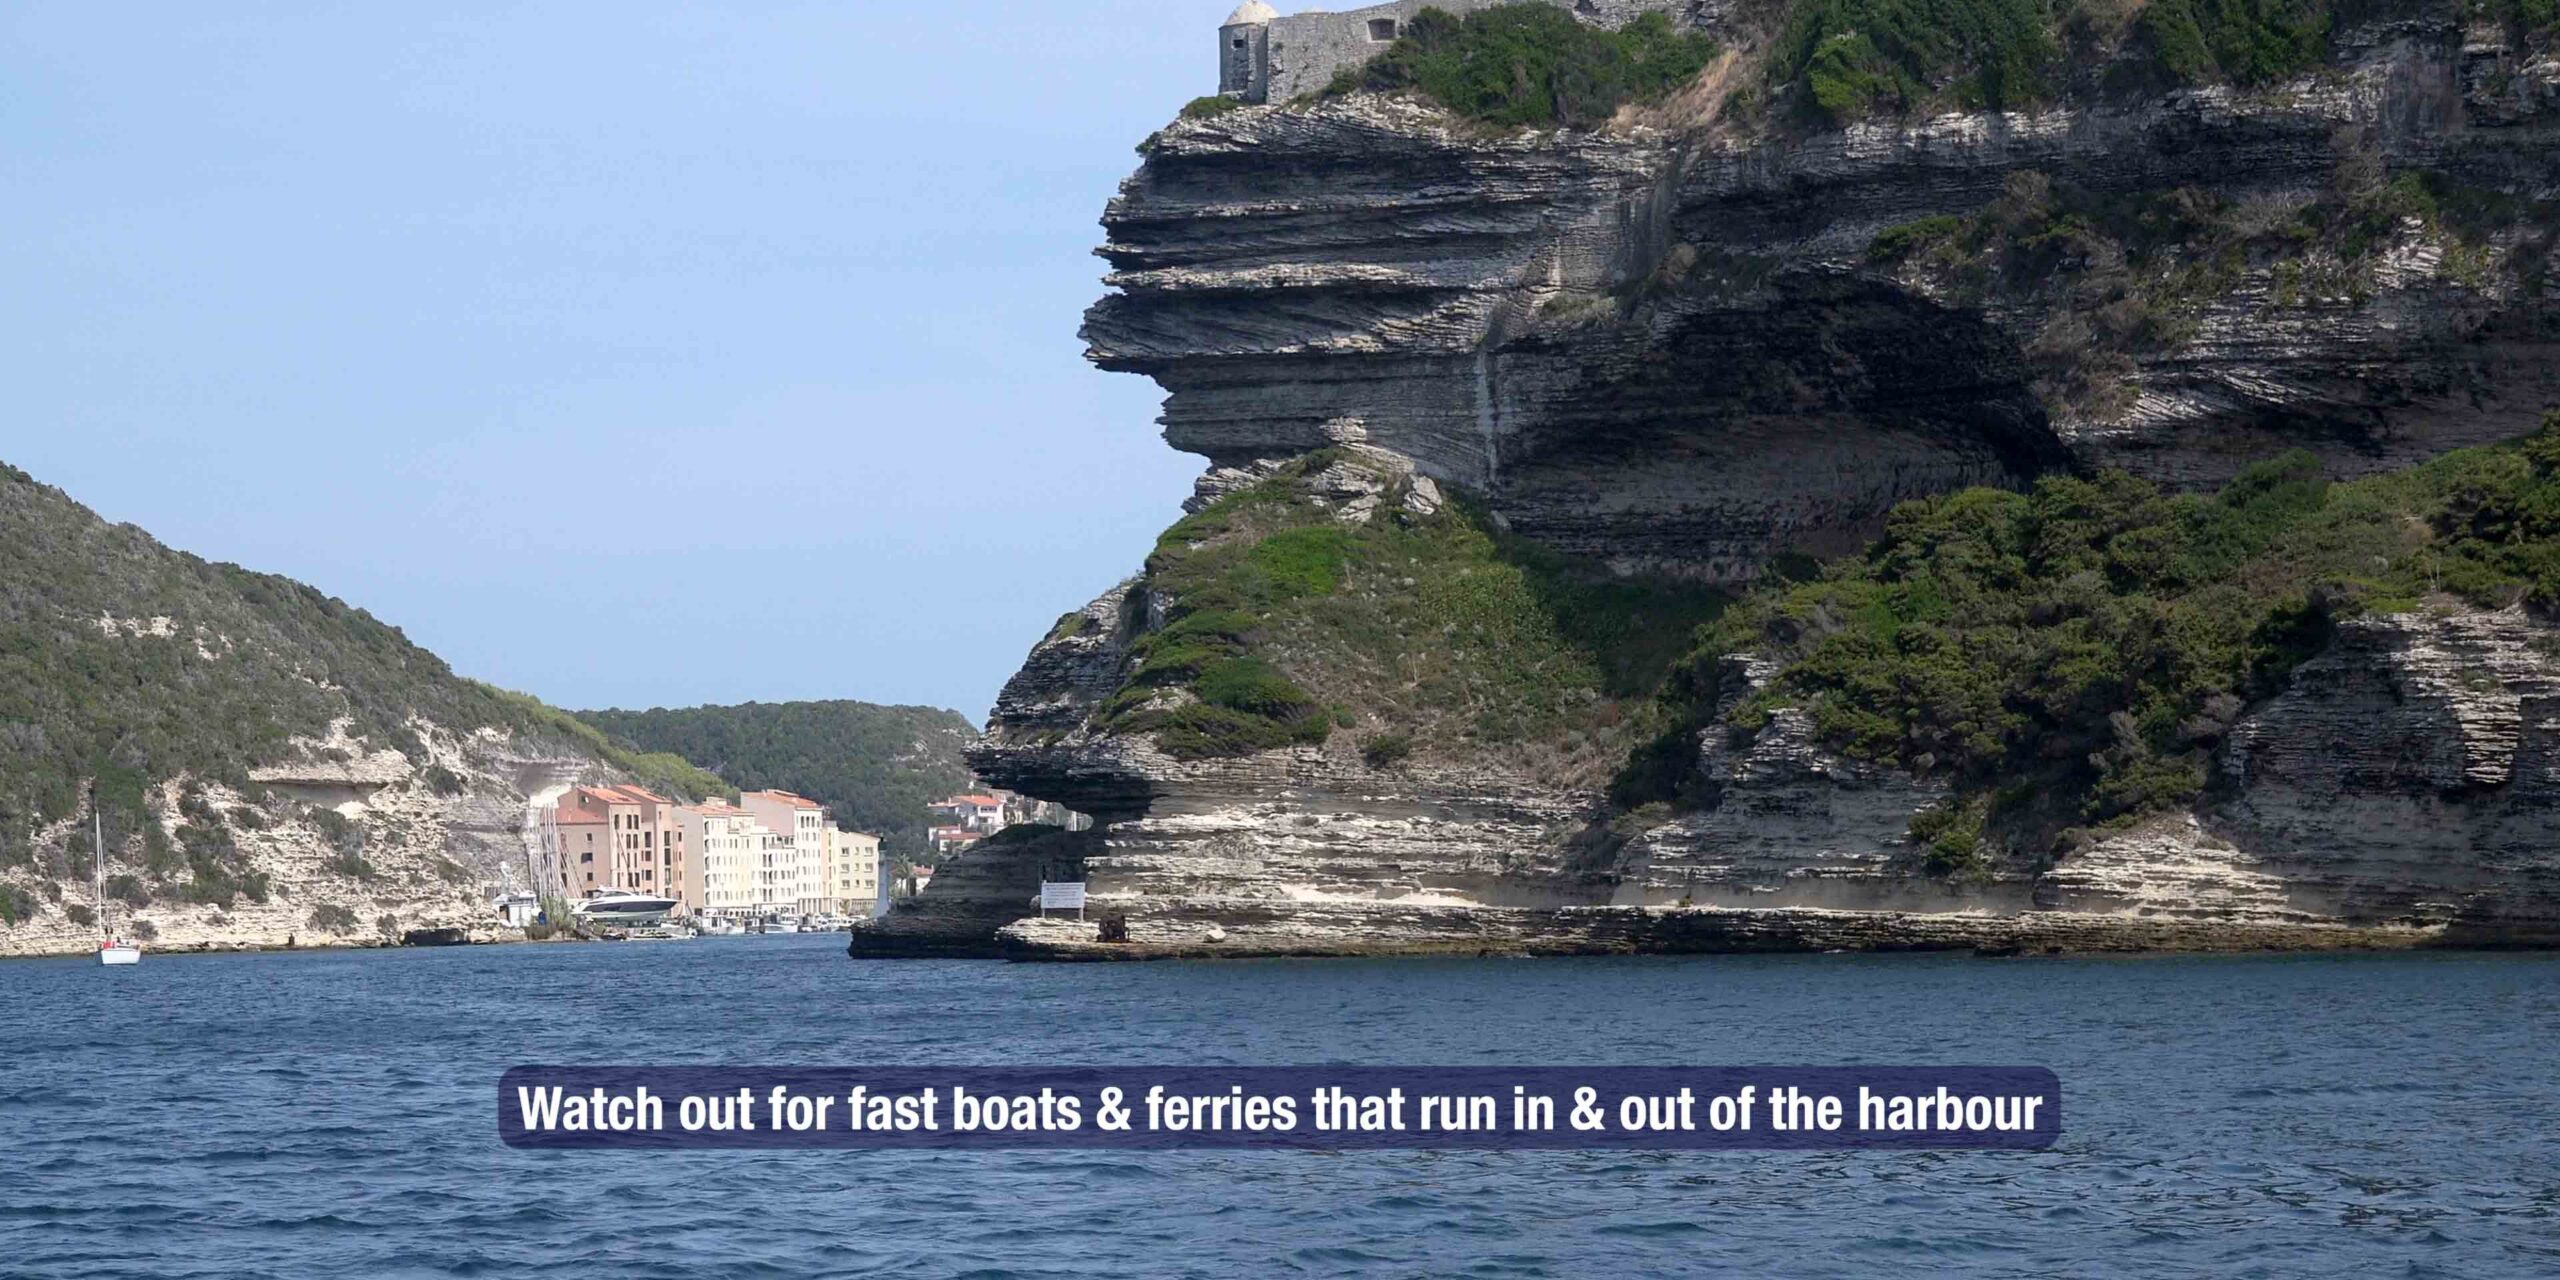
<point>1672,351</point>
<point>1675,353</point>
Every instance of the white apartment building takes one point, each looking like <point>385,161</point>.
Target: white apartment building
<point>779,874</point>
<point>798,880</point>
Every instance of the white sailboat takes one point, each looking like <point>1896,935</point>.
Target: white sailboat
<point>111,949</point>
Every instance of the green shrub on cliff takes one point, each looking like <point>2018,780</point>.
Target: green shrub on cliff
<point>1856,58</point>
<point>2247,42</point>
<point>2537,22</point>
<point>1532,64</point>
<point>1850,59</point>
<point>2073,654</point>
<point>1211,107</point>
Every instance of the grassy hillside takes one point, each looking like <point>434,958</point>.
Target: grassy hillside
<point>1422,630</point>
<point>2070,657</point>
<point>133,664</point>
<point>874,767</point>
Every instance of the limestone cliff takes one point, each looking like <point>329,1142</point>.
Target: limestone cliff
<point>1700,342</point>
<point>274,767</point>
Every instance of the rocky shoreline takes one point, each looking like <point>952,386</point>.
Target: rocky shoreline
<point>492,936</point>
<point>1605,931</point>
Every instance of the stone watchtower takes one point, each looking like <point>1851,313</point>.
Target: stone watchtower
<point>1244,52</point>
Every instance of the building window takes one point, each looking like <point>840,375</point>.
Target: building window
<point>1239,42</point>
<point>1382,30</point>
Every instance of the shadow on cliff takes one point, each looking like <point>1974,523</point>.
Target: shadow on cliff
<point>1788,420</point>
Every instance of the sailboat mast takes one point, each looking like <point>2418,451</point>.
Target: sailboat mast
<point>98,859</point>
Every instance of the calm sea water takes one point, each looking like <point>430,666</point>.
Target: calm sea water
<point>334,1115</point>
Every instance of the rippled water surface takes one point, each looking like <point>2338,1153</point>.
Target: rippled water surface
<point>335,1115</point>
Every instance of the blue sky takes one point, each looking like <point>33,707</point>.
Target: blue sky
<point>627,354</point>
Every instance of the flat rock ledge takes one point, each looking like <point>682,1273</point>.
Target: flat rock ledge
<point>1238,931</point>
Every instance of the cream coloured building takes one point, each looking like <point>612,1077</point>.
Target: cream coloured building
<point>853,871</point>
<point>724,876</point>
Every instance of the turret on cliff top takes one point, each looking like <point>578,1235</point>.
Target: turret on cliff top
<point>1244,52</point>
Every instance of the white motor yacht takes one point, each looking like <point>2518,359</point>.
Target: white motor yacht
<point>624,909</point>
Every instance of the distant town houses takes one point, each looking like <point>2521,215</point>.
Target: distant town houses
<point>963,820</point>
<point>772,853</point>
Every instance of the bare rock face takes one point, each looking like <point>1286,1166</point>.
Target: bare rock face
<point>1684,351</point>
<point>2413,770</point>
<point>351,847</point>
<point>1677,352</point>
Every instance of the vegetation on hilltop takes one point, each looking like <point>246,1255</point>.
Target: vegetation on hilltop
<point>1848,59</point>
<point>1533,65</point>
<point>1844,60</point>
<point>1838,61</point>
<point>126,662</point>
<point>1424,630</point>
<point>874,767</point>
<point>2070,656</point>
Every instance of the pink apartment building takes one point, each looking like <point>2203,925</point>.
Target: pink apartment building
<point>617,837</point>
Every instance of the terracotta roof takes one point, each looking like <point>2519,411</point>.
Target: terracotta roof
<point>572,815</point>
<point>785,797</point>
<point>625,793</point>
<point>717,809</point>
